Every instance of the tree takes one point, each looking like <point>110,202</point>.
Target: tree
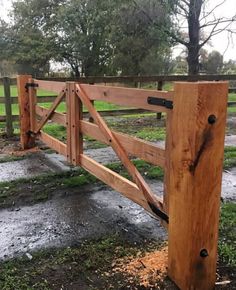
<point>191,20</point>
<point>214,63</point>
<point>26,42</point>
<point>229,67</point>
<point>83,35</point>
<point>140,46</point>
<point>198,16</point>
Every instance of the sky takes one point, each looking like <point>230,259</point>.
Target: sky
<point>221,42</point>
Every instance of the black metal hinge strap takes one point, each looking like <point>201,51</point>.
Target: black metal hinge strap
<point>160,102</point>
<point>30,85</point>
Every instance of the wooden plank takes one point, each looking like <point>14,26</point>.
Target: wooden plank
<point>116,181</point>
<point>159,88</point>
<point>196,154</point>
<point>8,110</point>
<point>55,117</point>
<point>231,104</point>
<point>146,79</point>
<point>126,97</point>
<point>50,86</point>
<point>142,79</point>
<point>27,140</point>
<point>75,113</point>
<point>134,146</point>
<point>47,115</point>
<point>154,202</point>
<point>168,148</point>
<point>15,118</point>
<point>121,112</point>
<point>46,99</point>
<point>52,142</point>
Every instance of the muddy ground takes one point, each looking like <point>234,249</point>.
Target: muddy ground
<point>46,215</point>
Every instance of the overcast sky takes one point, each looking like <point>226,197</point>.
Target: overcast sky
<point>220,42</point>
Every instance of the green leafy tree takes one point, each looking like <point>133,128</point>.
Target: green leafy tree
<point>83,35</point>
<point>140,46</point>
<point>214,63</point>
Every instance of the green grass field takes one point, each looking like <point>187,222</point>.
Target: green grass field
<point>61,108</point>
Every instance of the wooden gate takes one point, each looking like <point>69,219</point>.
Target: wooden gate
<point>192,159</point>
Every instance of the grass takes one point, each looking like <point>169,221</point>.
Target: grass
<point>33,190</point>
<point>148,170</point>
<point>61,108</point>
<point>90,264</point>
<point>227,237</point>
<point>44,187</point>
<point>152,134</point>
<point>230,157</point>
<point>232,98</point>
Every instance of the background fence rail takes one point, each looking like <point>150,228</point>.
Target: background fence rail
<point>138,81</point>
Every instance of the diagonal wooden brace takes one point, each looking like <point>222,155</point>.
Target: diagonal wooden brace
<point>154,202</point>
<point>48,114</point>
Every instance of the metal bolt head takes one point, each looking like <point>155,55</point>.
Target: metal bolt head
<point>204,253</point>
<point>212,119</point>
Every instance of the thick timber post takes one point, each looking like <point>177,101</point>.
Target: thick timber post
<point>74,115</point>
<point>27,139</point>
<point>194,168</point>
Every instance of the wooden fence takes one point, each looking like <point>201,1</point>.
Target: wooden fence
<point>8,100</point>
<point>195,124</point>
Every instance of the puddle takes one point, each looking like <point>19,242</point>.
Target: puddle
<point>229,185</point>
<point>68,221</point>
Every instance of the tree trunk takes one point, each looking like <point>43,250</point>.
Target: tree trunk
<point>195,7</point>
<point>193,60</point>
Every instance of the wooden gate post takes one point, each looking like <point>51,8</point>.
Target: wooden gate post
<point>27,139</point>
<point>74,115</point>
<point>194,168</point>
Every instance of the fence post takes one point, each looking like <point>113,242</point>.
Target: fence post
<point>74,114</point>
<point>27,139</point>
<point>159,88</point>
<point>8,109</point>
<point>194,168</point>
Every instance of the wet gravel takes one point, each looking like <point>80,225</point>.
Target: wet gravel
<point>92,213</point>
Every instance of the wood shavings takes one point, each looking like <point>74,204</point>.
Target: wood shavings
<point>148,270</point>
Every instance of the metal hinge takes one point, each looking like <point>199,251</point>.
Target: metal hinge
<point>160,102</point>
<point>30,85</point>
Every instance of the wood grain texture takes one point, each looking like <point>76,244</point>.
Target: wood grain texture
<point>133,146</point>
<point>50,86</point>
<point>53,143</point>
<point>27,140</point>
<point>195,152</point>
<point>126,96</point>
<point>75,113</point>
<point>150,197</point>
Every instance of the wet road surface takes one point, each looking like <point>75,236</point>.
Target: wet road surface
<point>67,221</point>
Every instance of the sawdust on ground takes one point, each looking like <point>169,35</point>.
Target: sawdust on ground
<point>148,269</point>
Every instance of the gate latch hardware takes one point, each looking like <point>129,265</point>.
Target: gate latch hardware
<point>160,102</point>
<point>30,85</point>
